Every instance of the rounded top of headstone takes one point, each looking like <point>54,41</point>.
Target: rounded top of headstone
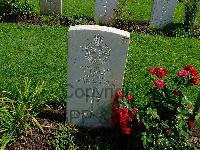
<point>100,28</point>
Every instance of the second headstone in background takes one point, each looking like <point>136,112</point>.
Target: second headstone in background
<point>162,13</point>
<point>105,11</point>
<point>51,7</point>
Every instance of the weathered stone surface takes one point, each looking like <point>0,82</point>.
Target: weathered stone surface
<point>105,11</point>
<point>162,13</point>
<point>51,7</point>
<point>96,64</point>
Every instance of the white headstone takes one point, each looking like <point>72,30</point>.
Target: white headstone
<point>96,64</point>
<point>105,11</point>
<point>162,13</point>
<point>51,7</point>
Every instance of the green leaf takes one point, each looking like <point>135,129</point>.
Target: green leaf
<point>36,123</point>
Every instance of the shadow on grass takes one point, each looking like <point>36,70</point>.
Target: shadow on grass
<point>172,30</point>
<point>105,139</point>
<point>176,30</point>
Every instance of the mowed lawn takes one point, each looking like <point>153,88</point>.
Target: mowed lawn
<point>40,53</point>
<point>37,52</point>
<point>131,10</point>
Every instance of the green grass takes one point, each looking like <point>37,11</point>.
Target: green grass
<point>37,52</point>
<point>40,53</point>
<point>132,10</point>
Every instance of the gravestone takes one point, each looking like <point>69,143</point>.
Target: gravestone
<point>162,13</point>
<point>96,64</point>
<point>51,7</point>
<point>105,11</point>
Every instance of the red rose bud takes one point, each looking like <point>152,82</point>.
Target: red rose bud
<point>134,111</point>
<point>126,130</point>
<point>160,72</point>
<point>177,93</point>
<point>182,73</point>
<point>152,70</point>
<point>167,132</point>
<point>130,116</point>
<point>159,84</point>
<point>130,98</point>
<point>119,94</point>
<point>114,99</point>
<point>191,124</point>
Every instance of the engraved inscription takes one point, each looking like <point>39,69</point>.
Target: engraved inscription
<point>95,75</point>
<point>96,53</point>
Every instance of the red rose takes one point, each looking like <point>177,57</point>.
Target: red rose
<point>160,72</point>
<point>191,124</point>
<point>123,115</point>
<point>152,70</point>
<point>119,94</point>
<point>195,80</point>
<point>126,130</point>
<point>159,84</point>
<point>182,73</point>
<point>115,106</point>
<point>130,98</point>
<point>193,71</point>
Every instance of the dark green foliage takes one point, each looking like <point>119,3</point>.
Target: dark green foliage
<point>13,10</point>
<point>191,8</point>
<point>17,113</point>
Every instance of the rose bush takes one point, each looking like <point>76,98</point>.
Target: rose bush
<point>165,115</point>
<point>124,112</point>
